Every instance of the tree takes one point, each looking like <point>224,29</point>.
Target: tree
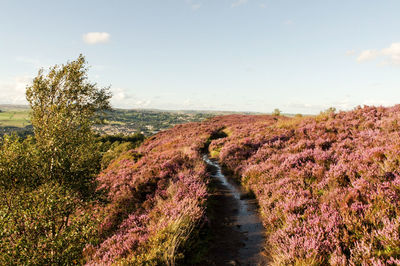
<point>18,163</point>
<point>64,107</point>
<point>47,181</point>
<point>276,112</point>
<point>330,110</point>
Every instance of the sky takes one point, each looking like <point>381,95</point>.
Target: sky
<point>301,56</point>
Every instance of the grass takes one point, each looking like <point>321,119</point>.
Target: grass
<point>14,119</point>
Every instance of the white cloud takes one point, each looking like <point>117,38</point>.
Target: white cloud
<point>263,5</point>
<point>391,55</point>
<point>393,52</point>
<point>122,99</point>
<point>119,94</point>
<point>350,52</point>
<point>239,3</point>
<point>96,37</point>
<point>367,55</point>
<point>13,91</point>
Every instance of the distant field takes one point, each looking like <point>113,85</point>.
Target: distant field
<point>18,118</point>
<point>15,118</point>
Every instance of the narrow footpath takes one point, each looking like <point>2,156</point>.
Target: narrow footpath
<point>238,234</point>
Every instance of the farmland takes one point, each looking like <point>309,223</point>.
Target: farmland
<point>14,118</point>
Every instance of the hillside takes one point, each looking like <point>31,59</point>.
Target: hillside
<point>15,118</point>
<point>328,188</point>
<point>150,121</point>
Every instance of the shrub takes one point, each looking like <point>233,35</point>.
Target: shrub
<point>47,225</point>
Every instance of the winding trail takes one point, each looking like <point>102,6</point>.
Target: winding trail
<point>238,234</point>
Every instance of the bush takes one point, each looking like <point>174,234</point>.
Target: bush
<point>44,226</point>
<point>114,145</point>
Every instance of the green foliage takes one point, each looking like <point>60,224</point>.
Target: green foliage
<point>64,108</point>
<point>19,165</point>
<point>113,146</point>
<point>115,150</point>
<point>134,138</point>
<point>215,153</point>
<point>43,226</point>
<point>47,181</point>
<point>276,112</point>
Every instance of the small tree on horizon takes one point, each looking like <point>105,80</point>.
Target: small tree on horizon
<point>276,112</point>
<point>330,110</point>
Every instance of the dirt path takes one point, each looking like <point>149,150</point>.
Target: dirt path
<point>238,234</point>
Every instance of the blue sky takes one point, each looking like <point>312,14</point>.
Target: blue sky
<point>301,56</point>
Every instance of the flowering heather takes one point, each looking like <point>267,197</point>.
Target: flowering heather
<point>328,186</point>
<point>156,197</point>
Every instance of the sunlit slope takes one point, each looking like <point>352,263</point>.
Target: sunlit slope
<point>157,197</point>
<point>328,188</point>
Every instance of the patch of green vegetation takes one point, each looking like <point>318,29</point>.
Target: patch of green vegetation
<point>215,153</point>
<point>14,118</point>
<point>113,146</point>
<point>227,131</point>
